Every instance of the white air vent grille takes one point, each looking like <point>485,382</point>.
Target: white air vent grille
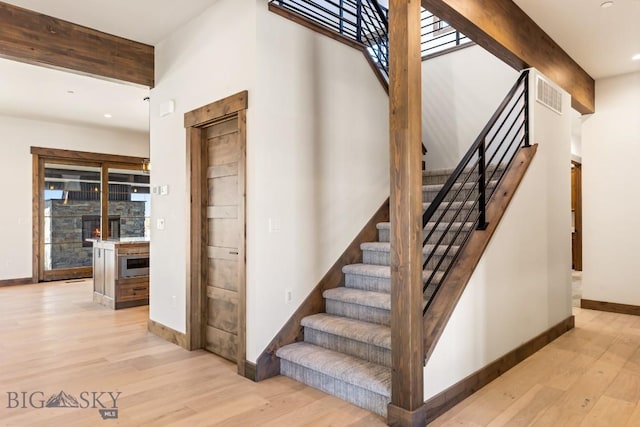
<point>548,95</point>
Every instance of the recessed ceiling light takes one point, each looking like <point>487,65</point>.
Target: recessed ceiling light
<point>606,4</point>
<point>636,57</point>
<point>108,116</point>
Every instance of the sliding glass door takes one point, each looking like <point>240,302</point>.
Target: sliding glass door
<point>71,213</point>
<point>129,204</point>
<point>80,197</point>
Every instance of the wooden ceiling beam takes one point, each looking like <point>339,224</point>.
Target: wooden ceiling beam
<point>503,29</point>
<point>38,39</point>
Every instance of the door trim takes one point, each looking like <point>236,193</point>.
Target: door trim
<point>194,122</point>
<point>577,256</point>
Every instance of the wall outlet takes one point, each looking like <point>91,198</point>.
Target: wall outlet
<point>174,301</point>
<point>288,296</point>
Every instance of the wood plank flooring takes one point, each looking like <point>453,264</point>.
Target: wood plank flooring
<point>53,338</point>
<point>588,377</point>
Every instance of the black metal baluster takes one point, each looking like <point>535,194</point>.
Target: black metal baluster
<point>482,183</point>
<point>341,16</point>
<point>359,20</point>
<point>526,111</point>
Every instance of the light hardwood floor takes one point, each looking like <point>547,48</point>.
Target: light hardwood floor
<point>590,376</point>
<point>53,338</point>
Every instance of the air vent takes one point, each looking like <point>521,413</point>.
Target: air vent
<point>548,95</point>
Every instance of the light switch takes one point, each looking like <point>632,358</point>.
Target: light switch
<point>160,223</point>
<point>274,225</point>
<point>164,190</point>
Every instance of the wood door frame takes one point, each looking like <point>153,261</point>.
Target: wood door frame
<point>195,121</point>
<point>70,157</point>
<point>578,216</point>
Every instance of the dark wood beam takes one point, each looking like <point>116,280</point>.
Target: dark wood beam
<point>38,39</point>
<point>503,29</point>
<point>405,207</point>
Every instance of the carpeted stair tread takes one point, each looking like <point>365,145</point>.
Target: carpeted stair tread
<point>455,205</point>
<point>349,369</point>
<point>386,247</point>
<point>371,270</point>
<point>456,186</point>
<point>357,296</point>
<point>441,226</point>
<point>383,271</point>
<point>356,330</point>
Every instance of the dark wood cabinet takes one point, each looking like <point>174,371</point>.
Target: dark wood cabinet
<point>111,285</point>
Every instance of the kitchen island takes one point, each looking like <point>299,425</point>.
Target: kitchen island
<point>121,272</point>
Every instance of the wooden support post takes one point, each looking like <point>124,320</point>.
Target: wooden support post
<point>407,396</point>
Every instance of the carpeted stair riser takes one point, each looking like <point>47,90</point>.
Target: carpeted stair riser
<point>441,176</point>
<point>374,402</point>
<point>364,340</point>
<point>367,283</point>
<point>429,291</point>
<point>364,351</point>
<point>375,315</point>
<point>449,235</point>
<point>375,283</point>
<point>469,191</point>
<point>454,212</point>
<point>435,177</point>
<point>382,258</point>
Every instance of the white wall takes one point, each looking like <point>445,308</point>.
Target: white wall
<point>18,136</point>
<point>610,189</point>
<point>522,285</point>
<point>318,164</point>
<point>460,92</point>
<point>576,135</point>
<point>317,154</point>
<point>209,58</point>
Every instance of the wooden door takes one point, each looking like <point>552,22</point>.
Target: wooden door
<point>216,154</point>
<point>224,225</point>
<point>576,212</point>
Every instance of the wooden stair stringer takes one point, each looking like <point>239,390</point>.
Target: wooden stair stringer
<point>446,299</point>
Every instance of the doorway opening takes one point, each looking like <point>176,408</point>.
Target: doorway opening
<point>79,197</point>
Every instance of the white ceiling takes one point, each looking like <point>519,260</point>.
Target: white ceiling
<point>602,41</point>
<point>40,93</point>
<point>145,21</point>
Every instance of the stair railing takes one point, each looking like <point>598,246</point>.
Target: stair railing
<point>438,35</point>
<point>367,22</point>
<point>362,21</point>
<point>460,206</point>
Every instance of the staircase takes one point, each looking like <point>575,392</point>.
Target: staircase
<point>346,351</point>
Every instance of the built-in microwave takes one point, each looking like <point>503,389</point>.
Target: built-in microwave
<point>134,265</point>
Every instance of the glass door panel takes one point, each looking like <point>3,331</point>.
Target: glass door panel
<point>129,204</point>
<point>71,215</point>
